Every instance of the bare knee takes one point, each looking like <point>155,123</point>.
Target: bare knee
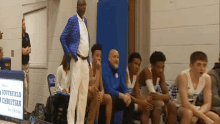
<point>108,99</point>
<point>187,113</point>
<point>216,119</point>
<point>158,104</point>
<point>171,107</point>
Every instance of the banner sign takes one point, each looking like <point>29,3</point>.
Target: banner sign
<point>11,95</point>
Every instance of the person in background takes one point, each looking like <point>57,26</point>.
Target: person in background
<point>191,82</point>
<point>115,85</point>
<point>62,77</point>
<point>96,95</point>
<point>215,76</point>
<point>62,85</point>
<point>26,50</point>
<point>1,53</point>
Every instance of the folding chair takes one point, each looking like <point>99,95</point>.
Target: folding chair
<point>51,82</point>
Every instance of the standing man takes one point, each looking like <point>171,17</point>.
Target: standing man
<point>190,83</point>
<point>75,43</point>
<point>26,50</point>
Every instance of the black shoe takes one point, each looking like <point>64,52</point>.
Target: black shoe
<point>27,116</point>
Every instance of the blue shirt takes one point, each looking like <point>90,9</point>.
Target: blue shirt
<point>112,80</point>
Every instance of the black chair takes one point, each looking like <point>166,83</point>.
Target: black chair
<point>51,82</point>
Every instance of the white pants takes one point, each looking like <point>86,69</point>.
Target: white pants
<point>79,76</point>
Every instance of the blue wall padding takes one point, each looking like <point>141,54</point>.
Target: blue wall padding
<point>112,32</point>
<point>112,29</point>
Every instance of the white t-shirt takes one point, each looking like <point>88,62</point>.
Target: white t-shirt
<point>192,93</point>
<point>62,79</point>
<point>130,85</point>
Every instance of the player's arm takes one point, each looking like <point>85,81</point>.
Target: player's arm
<point>164,96</point>
<point>207,95</point>
<point>90,74</point>
<point>100,81</point>
<point>137,92</point>
<point>138,97</point>
<point>183,91</point>
<point>144,76</point>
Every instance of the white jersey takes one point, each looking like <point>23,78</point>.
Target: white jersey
<point>130,85</point>
<point>144,90</point>
<point>192,93</point>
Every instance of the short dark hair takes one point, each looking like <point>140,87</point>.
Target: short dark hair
<point>198,55</point>
<point>133,56</point>
<point>157,56</point>
<point>96,47</point>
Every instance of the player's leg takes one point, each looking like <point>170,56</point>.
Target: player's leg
<point>185,115</point>
<point>107,101</point>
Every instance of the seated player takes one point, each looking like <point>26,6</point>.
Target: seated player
<point>215,76</point>
<point>149,79</point>
<point>190,83</point>
<point>96,95</point>
<point>141,104</point>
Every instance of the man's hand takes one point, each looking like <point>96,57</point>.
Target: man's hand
<point>127,99</point>
<point>64,91</point>
<point>194,119</point>
<point>98,65</point>
<point>24,51</point>
<point>155,96</point>
<point>67,90</point>
<point>162,76</point>
<point>28,50</point>
<point>71,56</point>
<point>93,90</point>
<point>147,105</point>
<point>100,96</point>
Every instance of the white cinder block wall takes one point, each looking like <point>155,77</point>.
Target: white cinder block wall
<point>59,12</point>
<point>180,27</point>
<point>10,25</point>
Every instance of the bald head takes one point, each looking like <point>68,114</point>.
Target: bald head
<point>114,58</point>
